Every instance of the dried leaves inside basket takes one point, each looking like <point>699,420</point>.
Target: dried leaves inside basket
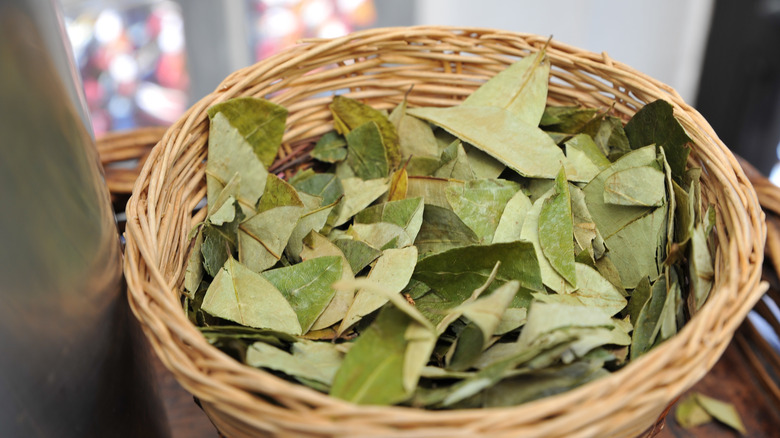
<point>445,250</point>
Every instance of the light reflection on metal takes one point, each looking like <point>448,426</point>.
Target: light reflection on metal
<point>72,362</point>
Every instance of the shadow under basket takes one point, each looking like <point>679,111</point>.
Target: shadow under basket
<point>443,65</point>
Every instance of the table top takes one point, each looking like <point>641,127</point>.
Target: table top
<point>731,379</point>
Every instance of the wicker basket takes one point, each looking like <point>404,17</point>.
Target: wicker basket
<point>444,65</point>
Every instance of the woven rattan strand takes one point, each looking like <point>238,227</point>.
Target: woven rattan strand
<point>443,64</point>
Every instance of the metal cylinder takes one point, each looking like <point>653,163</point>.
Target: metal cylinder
<point>72,358</point>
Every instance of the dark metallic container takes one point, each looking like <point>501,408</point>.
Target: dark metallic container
<point>72,358</point>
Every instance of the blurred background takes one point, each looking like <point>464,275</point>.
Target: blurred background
<point>143,62</point>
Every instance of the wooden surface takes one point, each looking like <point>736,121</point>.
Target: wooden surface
<point>731,380</point>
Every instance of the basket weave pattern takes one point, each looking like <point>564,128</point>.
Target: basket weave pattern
<point>443,65</point>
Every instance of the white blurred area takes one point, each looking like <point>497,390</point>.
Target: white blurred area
<point>132,53</point>
<point>131,57</point>
<point>774,175</point>
<point>664,39</point>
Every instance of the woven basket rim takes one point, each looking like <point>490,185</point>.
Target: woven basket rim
<point>167,337</point>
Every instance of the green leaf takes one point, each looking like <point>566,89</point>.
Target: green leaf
<point>421,340</point>
<point>724,412</point>
<point>434,372</point>
<point>583,154</point>
<point>318,361</point>
<point>317,245</point>
<point>581,340</point>
<point>192,306</point>
<point>441,230</point>
<point>608,133</point>
<point>633,249</point>
<point>479,204</point>
<point>647,324</point>
<point>684,214</point>
<point>511,320</point>
<point>455,163</point>
<point>466,348</point>
<point>611,218</point>
<point>521,89</point>
<point>194,273</point>
<point>639,298</point>
<point>330,148</point>
<point>422,166</point>
<point>226,212</point>
<point>586,235</point>
<point>314,218</point>
<point>484,315</point>
<point>482,164</point>
<point>693,182</point>
<point>406,213</point>
<point>359,194</point>
<point>542,383</point>
<point>591,339</point>
<point>607,269</point>
<point>673,303</point>
<point>502,357</point>
<point>490,375</point>
<point>701,269</point>
<point>380,235</point>
<point>530,233</point>
<point>366,153</point>
<point>420,333</point>
<point>431,189</point>
<point>348,114</point>
<point>260,123</point>
<point>456,310</point>
<point>307,286</point>
<point>632,233</point>
<point>525,148</point>
<point>512,218</point>
<point>278,193</point>
<point>372,370</point>
<point>597,292</point>
<point>343,171</point>
<point>219,243</point>
<point>556,230</point>
<point>241,295</point>
<point>392,270</point>
<point>325,185</point>
<point>416,137</point>
<point>566,119</point>
<point>397,113</point>
<point>690,413</point>
<point>223,210</point>
<point>263,237</point>
<point>642,186</point>
<point>455,273</point>
<point>230,153</point>
<point>544,318</point>
<point>434,307</point>
<point>655,124</point>
<point>666,238</point>
<point>537,188</point>
<point>388,294</point>
<point>358,253</point>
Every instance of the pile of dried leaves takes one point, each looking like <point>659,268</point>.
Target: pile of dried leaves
<point>486,254</point>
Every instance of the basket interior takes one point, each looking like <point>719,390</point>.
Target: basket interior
<point>432,67</point>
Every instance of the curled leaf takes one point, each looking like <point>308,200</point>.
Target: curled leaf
<point>556,230</point>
